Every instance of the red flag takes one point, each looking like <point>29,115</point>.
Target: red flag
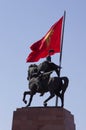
<point>51,41</point>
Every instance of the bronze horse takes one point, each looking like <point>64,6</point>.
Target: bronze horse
<point>42,83</point>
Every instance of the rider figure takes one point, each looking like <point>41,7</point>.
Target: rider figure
<point>49,65</point>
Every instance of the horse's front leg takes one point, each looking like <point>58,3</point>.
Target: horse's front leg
<point>24,96</point>
<point>30,100</point>
<point>52,94</point>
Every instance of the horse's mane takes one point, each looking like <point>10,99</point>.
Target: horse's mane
<point>33,65</point>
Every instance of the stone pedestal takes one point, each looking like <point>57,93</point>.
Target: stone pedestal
<point>43,118</point>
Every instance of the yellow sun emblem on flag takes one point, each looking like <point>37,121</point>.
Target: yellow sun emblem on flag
<point>48,37</point>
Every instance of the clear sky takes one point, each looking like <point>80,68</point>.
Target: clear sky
<point>23,22</point>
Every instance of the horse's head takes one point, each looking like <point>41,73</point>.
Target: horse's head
<point>32,71</point>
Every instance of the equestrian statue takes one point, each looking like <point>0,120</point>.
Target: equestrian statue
<point>40,81</point>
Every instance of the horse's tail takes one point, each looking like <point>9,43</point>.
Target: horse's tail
<point>65,82</point>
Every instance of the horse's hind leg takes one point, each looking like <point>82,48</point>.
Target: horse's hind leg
<point>52,94</point>
<point>64,86</point>
<point>61,96</point>
<point>24,95</point>
<point>62,99</point>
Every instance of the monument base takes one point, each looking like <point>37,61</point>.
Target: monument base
<point>43,118</point>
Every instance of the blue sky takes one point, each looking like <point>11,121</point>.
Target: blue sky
<point>23,22</point>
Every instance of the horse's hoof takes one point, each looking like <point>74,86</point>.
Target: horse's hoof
<point>45,104</point>
<point>25,101</point>
<point>62,106</point>
<point>27,105</point>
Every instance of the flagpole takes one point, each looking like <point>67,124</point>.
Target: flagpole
<point>60,58</point>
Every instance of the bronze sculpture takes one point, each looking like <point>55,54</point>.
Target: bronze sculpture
<point>41,82</point>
